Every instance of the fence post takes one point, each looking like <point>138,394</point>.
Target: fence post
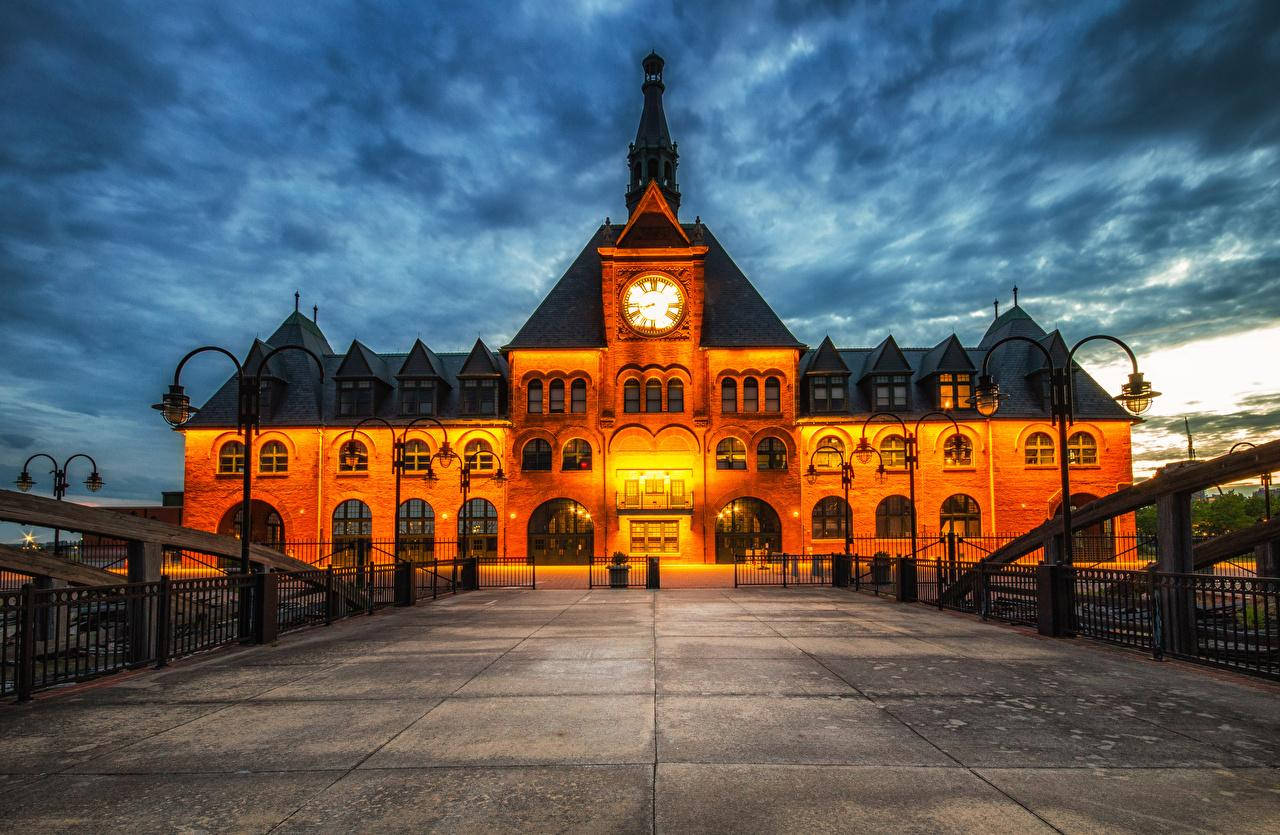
<point>953,556</point>
<point>533,572</point>
<point>164,622</point>
<point>857,573</point>
<point>328,596</point>
<point>784,570</point>
<point>907,592</point>
<point>471,574</point>
<point>654,580</point>
<point>1052,600</point>
<point>940,582</point>
<point>983,591</point>
<point>405,588</point>
<point>266,592</point>
<point>840,568</point>
<point>27,643</point>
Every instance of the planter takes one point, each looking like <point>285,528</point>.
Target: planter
<point>618,575</point>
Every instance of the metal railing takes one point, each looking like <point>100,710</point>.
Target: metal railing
<point>783,570</point>
<point>506,572</point>
<point>633,572</point>
<point>665,500</point>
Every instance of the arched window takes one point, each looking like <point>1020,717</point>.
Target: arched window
<point>631,396</point>
<point>729,396</point>
<point>893,450</point>
<point>536,456</point>
<point>417,456</point>
<point>231,457</point>
<point>653,396</point>
<point>266,528</point>
<point>273,458</point>
<point>561,531</point>
<point>751,395</point>
<point>353,457</point>
<point>478,516</point>
<point>577,455</point>
<point>731,454</point>
<point>1082,449</point>
<point>675,396</point>
<point>747,527</point>
<point>534,406</point>
<point>830,516</point>
<point>478,456</point>
<point>957,451</point>
<point>417,523</point>
<point>825,455</point>
<point>893,517</point>
<point>772,394</point>
<point>1039,449</point>
<point>555,397</point>
<point>963,512</point>
<point>352,527</point>
<point>771,454</point>
<point>578,397</point>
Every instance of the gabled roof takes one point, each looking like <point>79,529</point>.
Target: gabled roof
<point>480,363</point>
<point>253,361</point>
<point>886,358</point>
<point>420,362</point>
<point>361,363</point>
<point>297,329</point>
<point>652,223</point>
<point>947,355</point>
<point>826,360</point>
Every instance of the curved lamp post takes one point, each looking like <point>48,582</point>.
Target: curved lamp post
<point>1266,477</point>
<point>846,481</point>
<point>25,482</point>
<point>1135,395</point>
<point>175,406</point>
<point>864,450</point>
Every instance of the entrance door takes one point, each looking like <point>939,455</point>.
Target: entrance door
<point>747,527</point>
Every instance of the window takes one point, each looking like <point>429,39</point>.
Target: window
<point>417,518</point>
<point>893,517</point>
<point>957,451</point>
<point>893,450</point>
<point>417,397</point>
<point>536,456</point>
<point>655,537</point>
<point>353,457</point>
<point>352,518</point>
<point>273,458</point>
<point>631,396</point>
<point>962,512</point>
<point>577,455</point>
<point>417,456</point>
<point>890,391</point>
<point>533,399</point>
<point>555,397</point>
<point>653,396</point>
<point>827,393</point>
<point>266,392</point>
<point>826,455</point>
<point>478,456</point>
<point>578,397</point>
<point>830,516</point>
<point>954,391</point>
<point>772,394</point>
<point>771,454</point>
<point>751,395</point>
<point>729,396</point>
<point>478,516</point>
<point>231,457</point>
<point>480,397</point>
<point>675,396</point>
<point>1082,449</point>
<point>1039,449</point>
<point>731,454</point>
<point>355,397</point>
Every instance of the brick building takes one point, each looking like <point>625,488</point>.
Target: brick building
<point>653,403</point>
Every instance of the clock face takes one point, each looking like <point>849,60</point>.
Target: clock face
<point>652,305</point>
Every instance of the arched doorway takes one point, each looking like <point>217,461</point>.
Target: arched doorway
<point>561,532</point>
<point>478,526</point>
<point>266,526</point>
<point>1094,544</point>
<point>747,526</point>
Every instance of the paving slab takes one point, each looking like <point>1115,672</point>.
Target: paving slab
<point>935,675</point>
<point>586,647</point>
<point>517,675</point>
<point>748,676</point>
<point>376,677</point>
<point>737,646</point>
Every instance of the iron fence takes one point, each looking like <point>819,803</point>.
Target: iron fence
<point>1231,622</point>
<point>629,573</point>
<point>437,577</point>
<point>877,574</point>
<point>506,572</point>
<point>361,550</point>
<point>1113,606</point>
<point>784,570</point>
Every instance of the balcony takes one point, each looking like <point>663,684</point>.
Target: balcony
<point>664,502</point>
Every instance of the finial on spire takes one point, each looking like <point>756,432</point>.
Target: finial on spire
<point>297,297</point>
<point>1015,295</point>
<point>996,302</point>
<point>315,313</point>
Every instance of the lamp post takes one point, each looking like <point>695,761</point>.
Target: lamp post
<point>1266,478</point>
<point>1135,395</point>
<point>175,406</point>
<point>25,482</point>
<point>446,456</point>
<point>911,456</point>
<point>846,481</point>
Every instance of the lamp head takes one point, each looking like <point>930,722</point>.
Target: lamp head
<point>1136,395</point>
<point>811,474</point>
<point>863,450</point>
<point>430,474</point>
<point>93,482</point>
<point>351,454</point>
<point>986,395</point>
<point>24,481</point>
<point>175,407</point>
<point>499,476</point>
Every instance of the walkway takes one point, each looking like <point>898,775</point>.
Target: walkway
<point>673,575</point>
<point>750,710</point>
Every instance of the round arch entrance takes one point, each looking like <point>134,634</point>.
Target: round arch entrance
<point>1094,544</point>
<point>561,532</point>
<point>265,525</point>
<point>747,526</point>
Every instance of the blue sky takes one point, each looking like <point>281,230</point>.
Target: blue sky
<point>171,173</point>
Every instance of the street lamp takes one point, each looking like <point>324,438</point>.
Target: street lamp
<point>846,481</point>
<point>911,456</point>
<point>1266,478</point>
<point>445,456</point>
<point>1135,395</point>
<point>175,407</point>
<point>25,482</point>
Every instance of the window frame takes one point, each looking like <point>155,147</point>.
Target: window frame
<point>578,397</point>
<point>750,395</point>
<point>820,523</point>
<point>420,456</point>
<point>731,454</point>
<point>1076,451</point>
<point>355,398</point>
<point>949,461</point>
<point>417,396</point>
<point>890,456</point>
<point>362,457</point>
<point>533,398</point>
<point>227,460</point>
<point>536,456</point>
<point>728,396</point>
<point>573,450</point>
<point>555,397</point>
<point>631,397</point>
<point>772,395</point>
<point>774,458</point>
<point>478,456</point>
<point>273,458</point>
<point>675,395</point>
<point>1038,447</point>
<point>653,395</point>
<point>955,388</point>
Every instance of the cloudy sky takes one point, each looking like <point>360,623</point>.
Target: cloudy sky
<point>171,173</point>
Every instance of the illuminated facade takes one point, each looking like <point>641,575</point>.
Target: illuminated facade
<point>652,404</point>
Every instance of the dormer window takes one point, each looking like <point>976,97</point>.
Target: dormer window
<point>889,392</point>
<point>826,393</point>
<point>355,398</point>
<point>417,397</point>
<point>480,397</point>
<point>954,391</point>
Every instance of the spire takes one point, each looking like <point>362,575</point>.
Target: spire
<point>653,155</point>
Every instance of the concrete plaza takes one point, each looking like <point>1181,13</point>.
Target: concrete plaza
<point>761,710</point>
